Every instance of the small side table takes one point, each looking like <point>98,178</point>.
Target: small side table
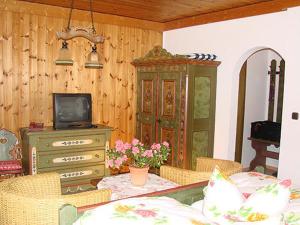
<point>121,186</point>
<point>260,146</point>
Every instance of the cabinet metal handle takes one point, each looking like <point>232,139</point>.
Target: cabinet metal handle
<point>97,156</point>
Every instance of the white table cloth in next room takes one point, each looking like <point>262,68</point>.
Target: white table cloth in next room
<point>122,188</point>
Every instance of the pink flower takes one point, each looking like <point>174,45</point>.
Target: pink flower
<point>246,195</point>
<point>166,144</point>
<point>110,163</point>
<point>148,153</point>
<point>135,150</point>
<point>118,162</point>
<point>124,158</point>
<point>120,146</point>
<point>127,146</point>
<point>135,141</point>
<point>145,212</point>
<point>286,183</point>
<point>158,146</point>
<point>138,154</point>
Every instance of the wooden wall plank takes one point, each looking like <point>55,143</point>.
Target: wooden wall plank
<point>33,47</point>
<point>2,92</point>
<point>15,69</point>
<point>29,76</point>
<point>7,69</point>
<point>24,70</point>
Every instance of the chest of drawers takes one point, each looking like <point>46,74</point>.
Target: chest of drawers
<point>78,155</point>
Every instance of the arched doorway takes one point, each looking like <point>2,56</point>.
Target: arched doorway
<point>256,97</point>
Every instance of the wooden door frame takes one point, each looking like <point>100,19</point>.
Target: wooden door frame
<point>240,113</point>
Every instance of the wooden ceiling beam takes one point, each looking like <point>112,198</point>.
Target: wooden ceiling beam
<point>234,13</point>
<point>80,15</point>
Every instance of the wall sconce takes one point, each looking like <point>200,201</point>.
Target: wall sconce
<point>93,59</point>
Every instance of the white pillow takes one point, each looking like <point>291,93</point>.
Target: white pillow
<point>224,203</point>
<point>221,196</point>
<point>270,200</point>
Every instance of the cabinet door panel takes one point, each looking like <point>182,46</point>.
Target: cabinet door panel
<point>200,145</point>
<point>202,114</point>
<point>168,112</point>
<point>168,134</point>
<point>146,107</point>
<point>147,133</point>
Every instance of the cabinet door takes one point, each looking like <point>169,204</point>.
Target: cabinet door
<point>146,107</point>
<point>168,112</point>
<point>202,94</point>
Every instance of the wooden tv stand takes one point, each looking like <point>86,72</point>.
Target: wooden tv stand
<point>78,155</point>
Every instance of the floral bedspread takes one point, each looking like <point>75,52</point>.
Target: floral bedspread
<point>164,210</point>
<point>145,211</point>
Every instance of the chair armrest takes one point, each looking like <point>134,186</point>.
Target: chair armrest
<point>88,197</point>
<point>28,209</point>
<point>183,176</point>
<point>42,185</point>
<point>205,164</point>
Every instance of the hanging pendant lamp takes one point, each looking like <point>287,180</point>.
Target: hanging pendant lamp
<point>93,59</point>
<point>64,55</point>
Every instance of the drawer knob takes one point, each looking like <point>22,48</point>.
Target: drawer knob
<point>97,156</point>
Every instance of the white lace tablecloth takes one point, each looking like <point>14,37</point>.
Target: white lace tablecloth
<point>122,188</point>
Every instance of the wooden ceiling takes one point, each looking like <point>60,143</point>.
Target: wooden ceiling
<point>178,13</point>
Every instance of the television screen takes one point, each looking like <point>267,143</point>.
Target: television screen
<point>72,110</point>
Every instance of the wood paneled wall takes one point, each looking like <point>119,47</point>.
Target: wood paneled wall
<point>29,76</point>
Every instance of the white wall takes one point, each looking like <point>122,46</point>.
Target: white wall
<point>233,42</point>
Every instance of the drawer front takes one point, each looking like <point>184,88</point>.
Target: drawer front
<point>72,187</point>
<point>69,158</point>
<point>71,142</point>
<point>77,173</point>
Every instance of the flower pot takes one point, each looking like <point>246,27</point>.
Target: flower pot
<point>138,176</point>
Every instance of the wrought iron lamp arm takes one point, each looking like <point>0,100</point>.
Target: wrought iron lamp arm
<point>73,32</point>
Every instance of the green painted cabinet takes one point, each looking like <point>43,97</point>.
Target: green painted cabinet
<point>176,103</point>
<point>78,155</point>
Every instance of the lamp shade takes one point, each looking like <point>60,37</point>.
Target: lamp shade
<point>93,59</point>
<point>64,55</point>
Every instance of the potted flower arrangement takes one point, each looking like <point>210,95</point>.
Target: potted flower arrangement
<point>138,156</point>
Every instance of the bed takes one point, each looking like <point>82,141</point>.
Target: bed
<point>185,205</point>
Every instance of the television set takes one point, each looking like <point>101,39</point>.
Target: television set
<point>72,111</point>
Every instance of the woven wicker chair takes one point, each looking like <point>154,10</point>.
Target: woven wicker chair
<point>35,200</point>
<point>204,168</point>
